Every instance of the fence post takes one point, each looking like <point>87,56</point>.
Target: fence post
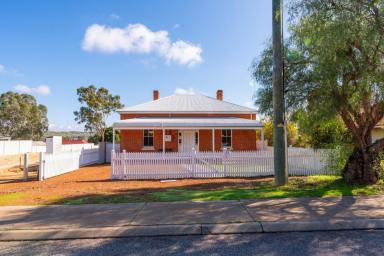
<point>225,156</point>
<point>25,169</point>
<point>193,161</point>
<point>124,162</point>
<point>113,162</point>
<point>41,166</point>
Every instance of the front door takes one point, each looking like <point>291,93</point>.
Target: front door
<point>188,140</point>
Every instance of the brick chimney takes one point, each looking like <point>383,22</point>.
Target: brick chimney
<point>219,94</point>
<point>156,94</point>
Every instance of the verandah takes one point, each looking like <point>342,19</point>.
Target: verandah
<point>182,125</point>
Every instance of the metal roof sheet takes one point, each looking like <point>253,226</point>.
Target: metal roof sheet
<point>180,103</point>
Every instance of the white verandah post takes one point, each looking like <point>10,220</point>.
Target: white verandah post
<point>113,154</point>
<point>163,140</point>
<point>113,139</point>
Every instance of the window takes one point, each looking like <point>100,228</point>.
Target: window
<point>148,138</point>
<point>196,138</point>
<point>226,138</point>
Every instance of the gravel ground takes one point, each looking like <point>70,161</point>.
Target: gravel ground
<point>96,181</point>
<point>306,243</point>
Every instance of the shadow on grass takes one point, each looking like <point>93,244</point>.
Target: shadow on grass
<point>315,186</point>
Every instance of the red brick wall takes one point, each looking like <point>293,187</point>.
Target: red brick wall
<point>217,140</point>
<point>132,140</point>
<point>243,140</point>
<point>205,140</point>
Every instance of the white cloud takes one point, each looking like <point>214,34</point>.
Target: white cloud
<point>137,38</point>
<point>114,16</point>
<point>182,91</point>
<point>42,89</point>
<point>2,68</point>
<point>184,53</point>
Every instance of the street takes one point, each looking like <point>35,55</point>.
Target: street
<point>293,243</point>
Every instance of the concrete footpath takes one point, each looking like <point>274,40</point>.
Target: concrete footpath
<point>190,218</point>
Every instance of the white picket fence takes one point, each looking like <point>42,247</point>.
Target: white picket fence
<point>108,151</point>
<point>77,147</point>
<point>172,165</point>
<point>15,147</point>
<point>59,163</point>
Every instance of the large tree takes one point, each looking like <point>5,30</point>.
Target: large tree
<point>99,105</point>
<point>334,67</point>
<point>21,117</point>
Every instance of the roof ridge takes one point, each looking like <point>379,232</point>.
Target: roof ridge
<point>147,102</point>
<point>228,102</point>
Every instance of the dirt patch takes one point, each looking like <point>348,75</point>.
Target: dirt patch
<point>95,181</point>
<point>12,161</point>
<point>11,167</point>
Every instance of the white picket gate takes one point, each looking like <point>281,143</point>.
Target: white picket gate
<point>173,165</point>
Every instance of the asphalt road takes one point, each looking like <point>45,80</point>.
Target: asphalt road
<point>305,243</point>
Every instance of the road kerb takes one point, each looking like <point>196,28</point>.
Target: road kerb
<point>231,228</point>
<point>101,232</point>
<point>322,225</point>
<point>189,229</point>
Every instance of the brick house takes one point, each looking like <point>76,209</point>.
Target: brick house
<point>180,123</point>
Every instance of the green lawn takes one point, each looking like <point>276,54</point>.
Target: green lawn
<point>8,199</point>
<point>313,186</point>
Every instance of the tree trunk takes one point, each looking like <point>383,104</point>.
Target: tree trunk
<point>363,167</point>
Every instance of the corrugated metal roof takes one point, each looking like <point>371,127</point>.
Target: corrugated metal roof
<point>195,103</point>
<point>229,122</point>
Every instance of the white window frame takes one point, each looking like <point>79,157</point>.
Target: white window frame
<point>226,136</point>
<point>153,138</point>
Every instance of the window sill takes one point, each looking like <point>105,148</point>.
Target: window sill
<point>148,148</point>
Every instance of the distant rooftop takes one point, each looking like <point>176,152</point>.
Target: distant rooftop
<point>191,103</point>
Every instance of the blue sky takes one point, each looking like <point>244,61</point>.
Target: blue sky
<point>50,48</point>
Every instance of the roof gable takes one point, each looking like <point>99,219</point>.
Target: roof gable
<point>180,103</point>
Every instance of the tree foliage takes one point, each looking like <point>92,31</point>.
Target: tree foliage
<point>98,105</point>
<point>292,133</point>
<point>108,136</point>
<point>321,133</point>
<point>21,117</point>
<point>334,67</point>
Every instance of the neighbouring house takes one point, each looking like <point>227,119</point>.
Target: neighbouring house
<point>180,123</point>
<point>378,131</point>
<point>67,141</point>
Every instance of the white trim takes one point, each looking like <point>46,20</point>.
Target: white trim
<point>163,140</point>
<point>153,137</point>
<point>148,148</point>
<point>221,139</point>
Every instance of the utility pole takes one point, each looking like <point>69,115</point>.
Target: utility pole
<point>279,142</point>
